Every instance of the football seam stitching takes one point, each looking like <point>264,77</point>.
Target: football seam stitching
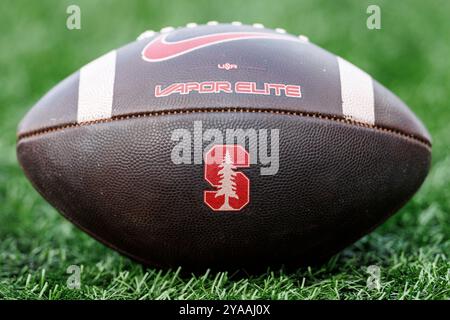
<point>345,120</point>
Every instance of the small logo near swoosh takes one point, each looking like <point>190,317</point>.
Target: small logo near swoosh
<point>159,49</point>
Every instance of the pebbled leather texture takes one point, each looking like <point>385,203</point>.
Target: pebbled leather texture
<point>115,180</point>
<point>258,60</point>
<point>98,147</point>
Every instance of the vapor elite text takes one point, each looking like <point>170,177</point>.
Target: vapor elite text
<point>276,89</point>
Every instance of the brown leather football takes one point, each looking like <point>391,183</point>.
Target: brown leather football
<point>223,145</point>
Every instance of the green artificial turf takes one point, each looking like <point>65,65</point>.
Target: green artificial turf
<point>410,55</point>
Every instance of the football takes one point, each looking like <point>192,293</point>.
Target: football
<point>223,146</point>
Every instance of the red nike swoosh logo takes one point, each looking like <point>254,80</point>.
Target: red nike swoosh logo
<point>159,49</point>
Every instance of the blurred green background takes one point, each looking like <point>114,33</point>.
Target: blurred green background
<point>409,55</point>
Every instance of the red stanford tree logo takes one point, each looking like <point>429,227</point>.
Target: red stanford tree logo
<point>232,187</point>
